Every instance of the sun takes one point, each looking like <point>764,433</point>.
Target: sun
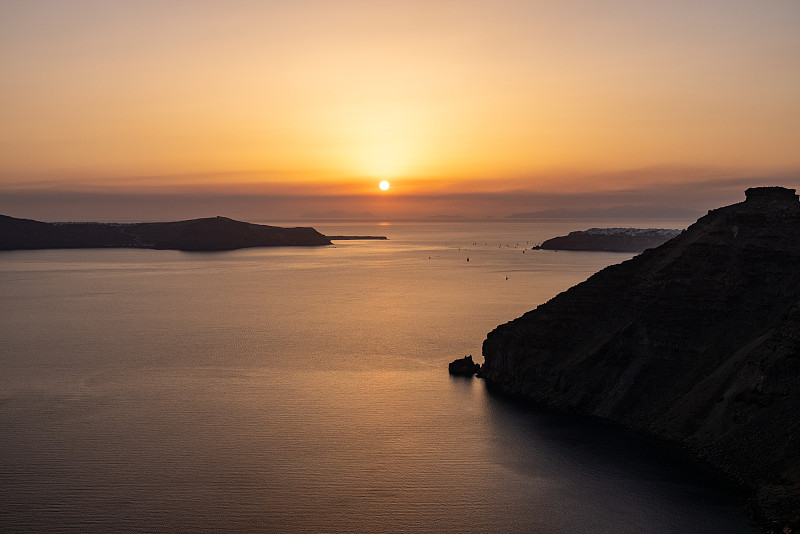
<point>384,185</point>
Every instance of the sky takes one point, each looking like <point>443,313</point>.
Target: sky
<point>260,110</point>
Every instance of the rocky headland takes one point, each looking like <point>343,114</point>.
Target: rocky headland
<point>696,342</point>
<point>356,237</point>
<point>209,234</point>
<point>611,239</point>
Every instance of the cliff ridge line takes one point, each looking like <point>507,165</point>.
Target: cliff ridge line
<point>696,341</point>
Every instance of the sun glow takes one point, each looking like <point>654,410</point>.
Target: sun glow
<point>384,185</point>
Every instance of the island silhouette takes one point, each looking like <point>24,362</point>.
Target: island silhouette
<point>207,234</point>
<point>610,239</point>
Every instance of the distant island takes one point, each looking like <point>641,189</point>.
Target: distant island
<point>696,342</point>
<point>355,237</point>
<point>208,234</point>
<point>611,239</point>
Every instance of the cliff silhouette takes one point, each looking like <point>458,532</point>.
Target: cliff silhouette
<point>696,342</point>
<point>208,234</point>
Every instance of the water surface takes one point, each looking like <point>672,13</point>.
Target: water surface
<point>305,390</point>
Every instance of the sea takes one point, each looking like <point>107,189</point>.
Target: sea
<point>305,390</point>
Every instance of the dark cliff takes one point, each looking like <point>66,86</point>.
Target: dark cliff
<point>214,233</point>
<point>696,341</point>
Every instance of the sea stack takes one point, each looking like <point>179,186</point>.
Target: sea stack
<point>464,367</point>
<point>696,342</point>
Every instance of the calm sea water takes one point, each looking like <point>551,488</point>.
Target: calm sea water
<point>306,390</point>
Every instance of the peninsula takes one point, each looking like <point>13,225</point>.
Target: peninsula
<point>611,239</point>
<point>208,234</point>
<point>696,342</point>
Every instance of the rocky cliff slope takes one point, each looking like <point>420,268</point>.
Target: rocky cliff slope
<point>696,341</point>
<point>213,233</point>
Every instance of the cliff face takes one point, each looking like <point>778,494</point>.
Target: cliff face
<point>217,233</point>
<point>696,341</point>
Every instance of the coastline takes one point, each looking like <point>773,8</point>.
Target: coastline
<point>694,343</point>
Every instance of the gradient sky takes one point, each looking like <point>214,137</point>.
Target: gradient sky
<point>269,109</point>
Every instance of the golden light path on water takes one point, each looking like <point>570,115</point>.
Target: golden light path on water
<point>305,389</point>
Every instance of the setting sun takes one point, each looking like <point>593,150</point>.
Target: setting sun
<point>278,109</point>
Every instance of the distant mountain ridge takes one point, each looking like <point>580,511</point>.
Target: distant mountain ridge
<point>207,234</point>
<point>696,342</point>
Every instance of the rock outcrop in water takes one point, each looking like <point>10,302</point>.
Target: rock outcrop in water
<point>209,234</point>
<point>611,239</point>
<point>463,367</point>
<point>696,342</point>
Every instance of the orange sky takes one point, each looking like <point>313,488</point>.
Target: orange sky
<point>323,99</point>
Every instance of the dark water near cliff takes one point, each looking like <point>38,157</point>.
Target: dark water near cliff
<point>305,390</point>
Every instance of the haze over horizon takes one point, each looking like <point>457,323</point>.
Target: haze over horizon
<point>271,110</point>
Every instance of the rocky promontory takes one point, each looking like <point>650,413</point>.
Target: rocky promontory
<point>611,239</point>
<point>209,234</point>
<point>696,342</point>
